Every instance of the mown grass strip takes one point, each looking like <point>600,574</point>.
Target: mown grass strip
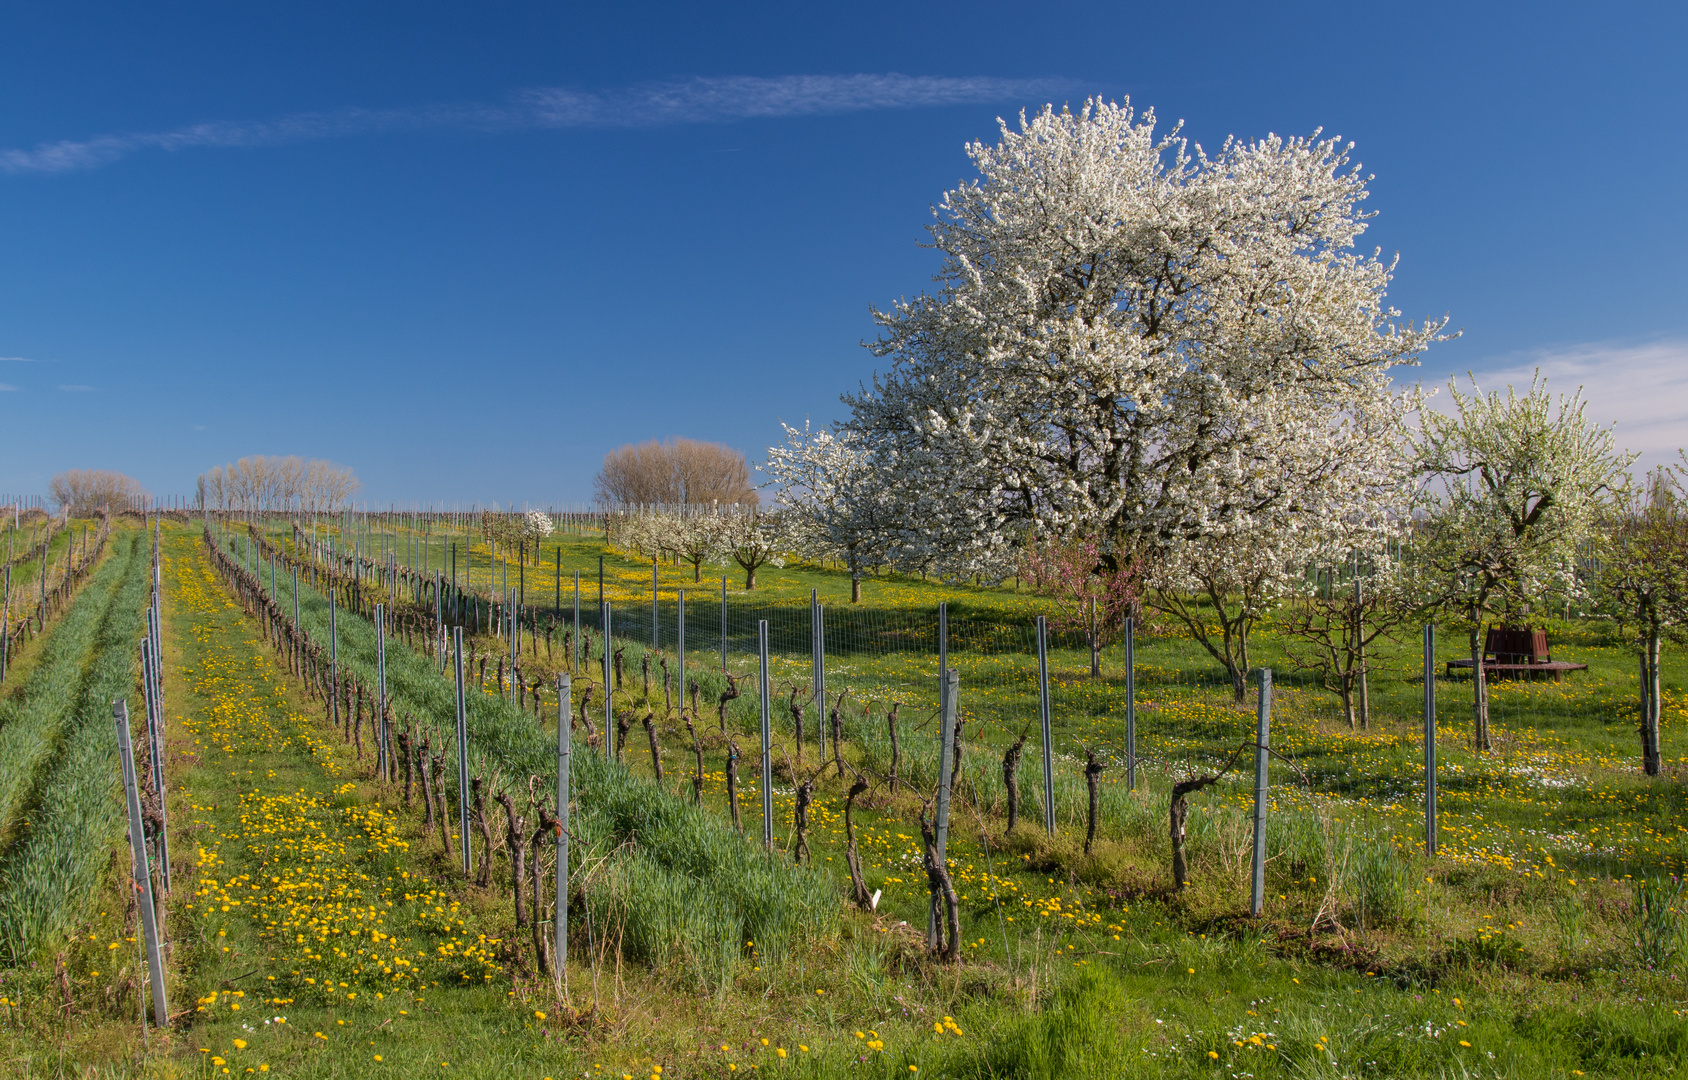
<point>33,716</point>
<point>54,865</point>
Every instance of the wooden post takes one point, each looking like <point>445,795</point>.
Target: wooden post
<point>680,642</point>
<point>1262,733</point>
<point>723,624</point>
<point>142,874</point>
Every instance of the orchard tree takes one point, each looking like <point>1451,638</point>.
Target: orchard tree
<point>1643,581</point>
<point>1518,483</point>
<point>754,539</point>
<point>1177,354</point>
<point>835,507</point>
<point>1094,590</point>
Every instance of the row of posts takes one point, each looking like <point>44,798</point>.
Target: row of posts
<point>948,691</point>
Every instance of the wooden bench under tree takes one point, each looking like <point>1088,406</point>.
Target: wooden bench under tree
<point>1518,652</point>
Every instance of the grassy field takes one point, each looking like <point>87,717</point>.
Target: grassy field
<point>1522,949</point>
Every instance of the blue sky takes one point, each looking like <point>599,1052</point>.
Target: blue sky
<point>468,249</point>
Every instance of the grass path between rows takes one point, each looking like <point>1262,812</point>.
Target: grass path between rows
<point>309,940</point>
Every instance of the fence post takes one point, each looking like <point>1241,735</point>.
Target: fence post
<point>609,712</point>
<point>1262,733</point>
<point>820,679</point>
<point>381,762</point>
<point>766,780</point>
<point>462,749</point>
<point>680,643</point>
<point>947,688</point>
<point>155,746</point>
<point>143,875</point>
<point>574,648</point>
<point>565,690</point>
<point>295,596</point>
<point>1130,704</point>
<point>1430,738</point>
<point>723,624</point>
<point>656,620</point>
<point>333,662</point>
<point>1043,720</point>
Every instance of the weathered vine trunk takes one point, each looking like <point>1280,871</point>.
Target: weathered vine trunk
<point>852,859</point>
<point>515,843</point>
<point>1092,772</point>
<point>1011,780</point>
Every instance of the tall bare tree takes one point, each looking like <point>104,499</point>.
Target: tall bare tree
<point>678,472</point>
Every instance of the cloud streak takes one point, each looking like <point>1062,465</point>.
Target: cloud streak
<point>699,100</point>
<point>1641,390</point>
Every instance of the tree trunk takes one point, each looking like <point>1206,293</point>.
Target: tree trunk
<point>1092,771</point>
<point>427,790</point>
<point>731,692</point>
<point>1011,781</point>
<point>1095,643</point>
<point>800,818</point>
<point>838,735</point>
<point>941,886</point>
<point>856,587</point>
<point>439,796</point>
<point>697,750</point>
<point>732,782</point>
<point>896,753</point>
<point>1650,711</point>
<point>852,859</point>
<point>516,845</point>
<point>477,806</point>
<point>1479,695</point>
<point>1179,810</point>
<point>656,750</point>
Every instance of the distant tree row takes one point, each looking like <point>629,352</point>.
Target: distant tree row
<point>284,484</point>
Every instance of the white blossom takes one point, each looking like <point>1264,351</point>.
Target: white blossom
<point>1137,341</point>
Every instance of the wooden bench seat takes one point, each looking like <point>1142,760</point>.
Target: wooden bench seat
<point>1554,668</point>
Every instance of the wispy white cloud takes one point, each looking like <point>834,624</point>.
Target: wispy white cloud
<point>683,101</point>
<point>1641,390</point>
<point>15,360</point>
<point>5,387</point>
<point>77,389</point>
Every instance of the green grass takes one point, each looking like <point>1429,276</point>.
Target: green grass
<point>1074,966</point>
<point>74,812</point>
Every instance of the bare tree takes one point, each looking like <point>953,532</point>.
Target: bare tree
<point>86,491</point>
<point>679,472</point>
